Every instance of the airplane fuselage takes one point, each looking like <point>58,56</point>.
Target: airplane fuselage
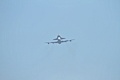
<point>59,38</point>
<point>59,41</point>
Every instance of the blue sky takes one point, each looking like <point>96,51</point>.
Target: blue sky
<point>25,26</point>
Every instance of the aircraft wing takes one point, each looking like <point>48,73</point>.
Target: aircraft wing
<point>68,40</point>
<point>51,42</point>
<point>65,41</point>
<point>55,39</point>
<point>62,38</point>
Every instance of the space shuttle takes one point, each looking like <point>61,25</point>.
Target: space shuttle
<point>59,38</point>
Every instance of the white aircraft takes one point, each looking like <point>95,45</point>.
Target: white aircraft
<point>59,40</point>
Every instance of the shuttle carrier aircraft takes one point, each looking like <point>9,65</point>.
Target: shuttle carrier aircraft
<point>59,40</point>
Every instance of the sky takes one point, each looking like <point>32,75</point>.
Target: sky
<point>25,26</point>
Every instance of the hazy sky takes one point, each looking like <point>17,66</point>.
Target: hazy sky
<point>25,26</point>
